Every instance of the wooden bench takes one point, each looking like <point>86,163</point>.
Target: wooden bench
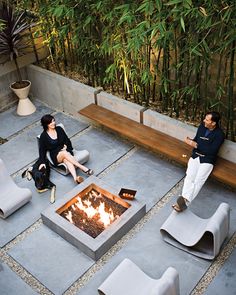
<point>172,148</point>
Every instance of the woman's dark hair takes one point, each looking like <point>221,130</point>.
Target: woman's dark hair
<point>46,120</point>
<point>215,117</point>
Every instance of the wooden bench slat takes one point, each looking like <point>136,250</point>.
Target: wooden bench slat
<point>224,171</point>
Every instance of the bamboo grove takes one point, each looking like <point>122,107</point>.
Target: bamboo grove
<point>175,56</point>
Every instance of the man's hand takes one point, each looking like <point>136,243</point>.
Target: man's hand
<point>190,142</point>
<point>64,147</point>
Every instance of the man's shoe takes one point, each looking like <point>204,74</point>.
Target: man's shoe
<point>180,205</point>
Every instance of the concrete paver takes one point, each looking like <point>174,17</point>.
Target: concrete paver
<point>23,149</point>
<point>111,150</point>
<point>225,280</point>
<point>151,176</point>
<point>210,197</point>
<point>72,126</point>
<point>104,148</point>
<point>148,250</point>
<point>12,123</point>
<point>43,253</point>
<point>10,283</point>
<point>30,213</point>
<point>153,256</point>
<point>52,260</point>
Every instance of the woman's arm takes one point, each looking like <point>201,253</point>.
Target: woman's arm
<point>42,149</point>
<point>66,141</point>
<point>69,146</point>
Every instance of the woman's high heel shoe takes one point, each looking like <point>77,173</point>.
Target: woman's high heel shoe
<point>79,179</point>
<point>89,172</point>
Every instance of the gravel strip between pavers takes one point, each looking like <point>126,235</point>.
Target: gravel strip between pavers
<point>212,271</point>
<point>81,282</point>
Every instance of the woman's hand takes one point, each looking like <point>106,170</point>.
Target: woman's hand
<point>64,147</point>
<point>42,166</point>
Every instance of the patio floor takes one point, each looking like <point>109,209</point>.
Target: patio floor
<point>34,259</point>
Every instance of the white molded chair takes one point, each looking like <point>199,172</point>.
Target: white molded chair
<point>129,279</point>
<point>198,236</point>
<point>81,156</point>
<point>12,197</point>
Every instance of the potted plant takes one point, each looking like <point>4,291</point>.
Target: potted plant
<point>14,42</point>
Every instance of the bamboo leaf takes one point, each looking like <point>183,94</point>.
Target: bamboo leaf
<point>125,18</point>
<point>182,23</point>
<point>189,2</point>
<point>142,7</point>
<point>87,21</point>
<point>196,52</point>
<point>159,5</point>
<point>173,2</point>
<point>203,10</point>
<point>58,11</point>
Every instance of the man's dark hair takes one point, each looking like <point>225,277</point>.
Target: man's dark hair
<point>46,120</point>
<point>215,117</point>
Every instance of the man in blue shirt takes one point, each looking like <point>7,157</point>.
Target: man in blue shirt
<point>206,144</point>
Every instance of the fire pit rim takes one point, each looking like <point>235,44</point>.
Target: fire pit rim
<point>60,225</point>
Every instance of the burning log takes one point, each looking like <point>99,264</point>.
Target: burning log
<point>93,212</point>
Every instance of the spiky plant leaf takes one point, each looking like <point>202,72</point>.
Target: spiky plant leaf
<point>14,35</point>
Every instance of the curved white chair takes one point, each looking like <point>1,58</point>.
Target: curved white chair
<point>198,236</point>
<point>81,156</point>
<point>12,197</point>
<point>129,279</point>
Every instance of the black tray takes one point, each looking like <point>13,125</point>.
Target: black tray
<point>127,191</point>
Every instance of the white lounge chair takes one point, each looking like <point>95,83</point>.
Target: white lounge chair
<point>81,156</point>
<point>129,279</point>
<point>12,197</point>
<point>198,236</point>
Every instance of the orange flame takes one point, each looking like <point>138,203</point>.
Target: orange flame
<point>86,206</point>
<point>69,216</point>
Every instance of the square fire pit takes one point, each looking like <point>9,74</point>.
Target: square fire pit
<point>92,217</point>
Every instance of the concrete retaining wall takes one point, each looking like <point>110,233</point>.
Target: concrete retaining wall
<point>120,106</point>
<point>168,125</point>
<point>59,92</point>
<point>71,96</point>
<point>8,75</point>
<point>7,97</point>
<point>180,130</point>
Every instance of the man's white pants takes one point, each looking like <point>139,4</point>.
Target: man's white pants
<point>196,175</point>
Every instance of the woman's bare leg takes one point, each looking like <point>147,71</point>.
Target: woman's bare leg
<point>71,169</point>
<point>64,155</point>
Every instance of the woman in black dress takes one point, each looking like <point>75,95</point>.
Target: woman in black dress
<point>55,140</point>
